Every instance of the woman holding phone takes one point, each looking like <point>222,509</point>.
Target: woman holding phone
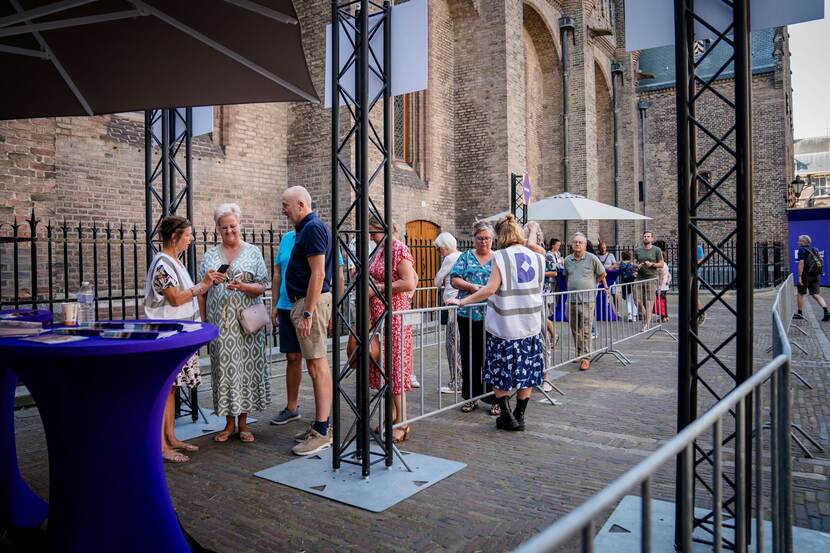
<point>238,359</point>
<point>169,293</point>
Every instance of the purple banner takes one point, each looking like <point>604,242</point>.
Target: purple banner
<point>814,222</point>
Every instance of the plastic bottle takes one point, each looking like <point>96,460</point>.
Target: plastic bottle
<point>86,305</point>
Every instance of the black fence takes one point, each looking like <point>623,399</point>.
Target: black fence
<point>719,272</point>
<point>44,263</point>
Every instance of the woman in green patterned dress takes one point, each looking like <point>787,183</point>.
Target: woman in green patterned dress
<point>238,360</point>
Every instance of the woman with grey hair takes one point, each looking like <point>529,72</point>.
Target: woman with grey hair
<point>447,247</point>
<point>470,272</point>
<point>238,361</point>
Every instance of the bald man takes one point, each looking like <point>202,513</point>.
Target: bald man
<point>307,282</point>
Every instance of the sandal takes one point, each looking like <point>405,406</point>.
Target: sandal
<point>584,365</point>
<point>398,438</point>
<point>173,456</point>
<point>469,407</point>
<point>495,410</point>
<point>246,437</point>
<point>223,436</point>
<point>186,446</point>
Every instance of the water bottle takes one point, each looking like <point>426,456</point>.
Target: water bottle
<point>86,305</point>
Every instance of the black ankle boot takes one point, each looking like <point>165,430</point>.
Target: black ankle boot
<point>519,412</point>
<point>507,421</point>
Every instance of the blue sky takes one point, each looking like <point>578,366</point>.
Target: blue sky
<point>809,45</point>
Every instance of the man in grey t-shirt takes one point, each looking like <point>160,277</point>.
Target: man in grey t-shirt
<point>583,271</point>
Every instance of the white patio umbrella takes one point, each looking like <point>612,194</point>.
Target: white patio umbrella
<point>573,207</point>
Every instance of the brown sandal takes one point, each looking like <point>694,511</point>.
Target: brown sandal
<point>407,431</point>
<point>172,456</point>
<point>246,437</point>
<point>186,447</point>
<point>223,436</point>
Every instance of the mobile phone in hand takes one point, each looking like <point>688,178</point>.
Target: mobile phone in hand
<point>224,268</point>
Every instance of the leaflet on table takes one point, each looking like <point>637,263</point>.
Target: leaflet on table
<point>13,328</point>
<point>18,314</point>
<point>54,339</point>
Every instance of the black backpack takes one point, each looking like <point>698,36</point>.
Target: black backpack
<point>813,265</point>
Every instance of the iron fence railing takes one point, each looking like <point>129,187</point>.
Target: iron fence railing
<point>578,525</point>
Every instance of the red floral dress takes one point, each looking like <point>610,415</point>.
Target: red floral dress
<point>400,302</point>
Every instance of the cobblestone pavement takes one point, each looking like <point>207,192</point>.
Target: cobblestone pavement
<point>514,485</point>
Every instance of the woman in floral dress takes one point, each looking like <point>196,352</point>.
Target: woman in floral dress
<point>238,360</point>
<point>404,281</point>
<point>169,293</point>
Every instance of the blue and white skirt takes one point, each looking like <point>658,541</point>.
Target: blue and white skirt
<point>513,364</point>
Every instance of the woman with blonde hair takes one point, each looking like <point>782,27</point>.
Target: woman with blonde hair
<point>534,237</point>
<point>238,361</point>
<point>515,355</point>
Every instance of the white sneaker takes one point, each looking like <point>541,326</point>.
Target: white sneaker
<point>546,387</point>
<point>413,381</point>
<point>449,389</point>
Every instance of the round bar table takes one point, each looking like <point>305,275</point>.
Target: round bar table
<point>101,403</point>
<point>20,507</point>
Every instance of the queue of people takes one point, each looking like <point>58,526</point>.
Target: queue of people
<point>494,347</point>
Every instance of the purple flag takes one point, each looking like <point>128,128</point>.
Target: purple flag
<point>526,188</point>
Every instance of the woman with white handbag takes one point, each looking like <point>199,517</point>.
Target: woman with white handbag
<point>238,356</point>
<point>170,294</point>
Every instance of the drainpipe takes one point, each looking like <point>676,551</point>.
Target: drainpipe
<point>566,26</point>
<point>643,106</point>
<point>616,73</point>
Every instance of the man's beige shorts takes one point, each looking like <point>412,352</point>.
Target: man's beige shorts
<point>313,346</point>
<point>645,291</point>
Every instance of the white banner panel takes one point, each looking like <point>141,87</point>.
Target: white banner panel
<point>650,23</point>
<point>409,52</point>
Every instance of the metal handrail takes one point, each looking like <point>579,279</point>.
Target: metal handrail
<point>580,520</point>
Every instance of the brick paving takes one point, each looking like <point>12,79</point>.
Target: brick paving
<point>514,484</point>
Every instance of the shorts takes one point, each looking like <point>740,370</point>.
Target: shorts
<point>314,345</point>
<point>645,291</point>
<point>811,284</point>
<point>288,334</point>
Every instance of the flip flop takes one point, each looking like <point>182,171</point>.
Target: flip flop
<point>223,436</point>
<point>172,456</point>
<point>584,365</point>
<point>246,437</point>
<point>187,447</point>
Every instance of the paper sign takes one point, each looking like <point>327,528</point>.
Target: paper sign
<point>650,23</point>
<point>409,52</point>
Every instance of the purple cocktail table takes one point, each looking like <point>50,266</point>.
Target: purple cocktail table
<point>107,489</point>
<point>20,507</point>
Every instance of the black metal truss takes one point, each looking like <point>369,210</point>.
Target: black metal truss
<point>699,189</point>
<point>354,404</point>
<point>168,172</point>
<point>517,198</point>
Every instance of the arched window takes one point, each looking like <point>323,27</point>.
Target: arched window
<point>407,128</point>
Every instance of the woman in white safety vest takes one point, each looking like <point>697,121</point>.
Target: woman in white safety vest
<point>515,355</point>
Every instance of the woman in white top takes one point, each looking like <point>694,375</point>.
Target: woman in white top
<point>515,358</point>
<point>447,247</point>
<point>170,294</point>
<point>605,257</point>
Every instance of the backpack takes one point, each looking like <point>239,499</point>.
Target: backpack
<point>813,265</point>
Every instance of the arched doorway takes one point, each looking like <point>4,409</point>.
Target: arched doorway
<point>419,237</point>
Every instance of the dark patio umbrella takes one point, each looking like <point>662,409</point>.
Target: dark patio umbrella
<point>87,57</point>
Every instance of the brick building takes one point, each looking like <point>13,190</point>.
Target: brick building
<point>493,106</point>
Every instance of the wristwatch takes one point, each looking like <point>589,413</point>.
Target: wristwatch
<point>306,314</point>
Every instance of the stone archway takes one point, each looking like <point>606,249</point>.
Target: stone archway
<point>604,152</point>
<point>542,107</point>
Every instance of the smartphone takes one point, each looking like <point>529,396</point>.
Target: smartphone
<point>223,268</point>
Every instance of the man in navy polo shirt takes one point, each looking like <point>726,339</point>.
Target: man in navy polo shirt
<point>307,282</point>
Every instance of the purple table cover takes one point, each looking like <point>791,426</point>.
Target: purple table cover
<point>19,506</point>
<point>107,489</point>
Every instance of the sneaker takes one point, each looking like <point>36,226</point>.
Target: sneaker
<point>302,436</point>
<point>413,381</point>
<point>449,388</point>
<point>798,316</point>
<point>286,415</point>
<point>630,318</point>
<point>826,317</point>
<point>314,443</point>
<point>546,387</point>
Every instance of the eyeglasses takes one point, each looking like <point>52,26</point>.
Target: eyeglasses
<point>484,239</point>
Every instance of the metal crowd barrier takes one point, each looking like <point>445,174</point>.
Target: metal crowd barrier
<point>579,523</point>
<point>615,321</point>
